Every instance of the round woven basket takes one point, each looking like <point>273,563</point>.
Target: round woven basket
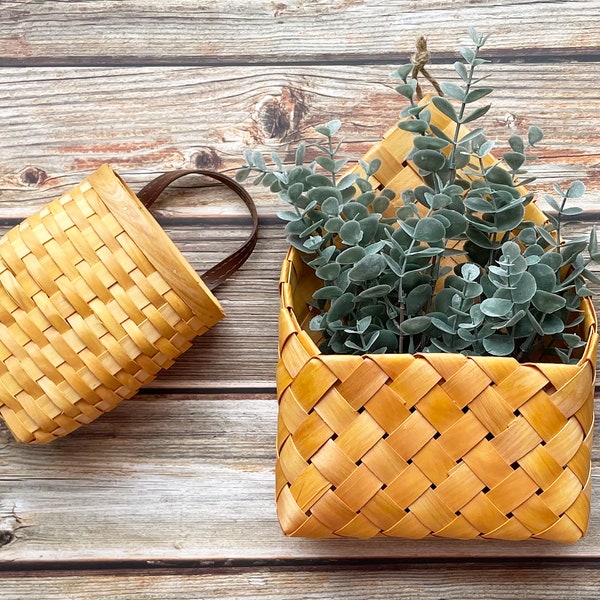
<point>428,444</point>
<point>95,299</point>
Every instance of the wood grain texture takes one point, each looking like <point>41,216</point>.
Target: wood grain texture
<point>206,117</point>
<point>179,478</point>
<point>218,32</point>
<point>450,581</point>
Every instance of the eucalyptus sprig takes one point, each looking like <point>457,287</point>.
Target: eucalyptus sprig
<point>387,285</point>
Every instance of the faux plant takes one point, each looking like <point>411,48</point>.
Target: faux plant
<point>514,287</point>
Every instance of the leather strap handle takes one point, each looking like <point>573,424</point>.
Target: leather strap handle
<point>216,275</point>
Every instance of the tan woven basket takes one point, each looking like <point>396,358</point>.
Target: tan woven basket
<point>95,299</point>
<point>431,444</point>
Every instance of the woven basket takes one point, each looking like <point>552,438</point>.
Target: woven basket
<point>95,299</point>
<point>428,444</point>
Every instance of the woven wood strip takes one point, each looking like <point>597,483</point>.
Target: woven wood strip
<point>431,444</point>
<point>88,313</point>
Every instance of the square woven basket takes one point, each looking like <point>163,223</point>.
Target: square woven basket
<point>429,444</point>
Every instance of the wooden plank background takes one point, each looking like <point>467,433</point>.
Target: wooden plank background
<point>171,495</point>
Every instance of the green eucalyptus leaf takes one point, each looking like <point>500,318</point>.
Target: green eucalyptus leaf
<point>496,307</point>
<point>534,135</point>
<point>377,291</point>
<point>286,215</point>
<point>322,193</point>
<point>444,106</point>
<point>576,190</point>
<point>351,233</point>
<point>460,68</point>
<point>415,325</point>
<point>340,307</point>
<point>329,292</point>
<point>334,224</point>
<point>552,325</point>
<point>499,345</point>
<point>514,160</point>
<point>429,230</point>
<point>328,272</point>
<point>331,206</point>
<point>453,91</point>
<point>413,125</point>
<point>367,268</point>
<point>525,290</point>
<point>380,204</point>
<point>351,255</point>
<point>347,181</point>
<point>478,112</point>
<point>426,142</point>
<point>407,89</point>
<point>429,160</point>
<point>477,94</point>
<point>355,210</point>
<point>417,298</point>
<point>547,302</point>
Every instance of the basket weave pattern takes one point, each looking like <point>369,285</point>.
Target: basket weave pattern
<point>87,313</point>
<point>431,444</point>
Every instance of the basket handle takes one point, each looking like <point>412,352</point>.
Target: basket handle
<point>216,275</point>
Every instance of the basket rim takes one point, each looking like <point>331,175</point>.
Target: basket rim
<point>293,256</point>
<point>155,243</point>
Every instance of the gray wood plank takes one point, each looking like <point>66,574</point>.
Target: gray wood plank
<point>451,581</point>
<point>186,478</point>
<point>225,31</point>
<point>59,124</point>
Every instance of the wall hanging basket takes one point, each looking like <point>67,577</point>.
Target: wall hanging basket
<point>95,299</point>
<point>429,444</point>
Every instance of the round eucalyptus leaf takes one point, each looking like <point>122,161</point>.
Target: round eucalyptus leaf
<point>334,224</point>
<point>351,233</point>
<point>328,292</point>
<point>329,271</point>
<point>331,206</point>
<point>321,193</point>
<point>496,307</point>
<point>413,125</point>
<point>545,276</point>
<point>369,228</point>
<point>511,251</point>
<point>552,325</point>
<point>351,255</point>
<point>429,230</point>
<point>415,325</point>
<point>440,201</point>
<point>386,340</point>
<point>514,160</point>
<point>525,289</point>
<point>367,268</point>
<point>355,210</point>
<point>458,223</point>
<point>377,291</point>
<point>380,204</point>
<point>499,175</point>
<point>429,160</point>
<point>576,190</point>
<point>470,271</point>
<point>417,298</point>
<point>547,302</point>
<point>507,220</point>
<point>499,345</point>
<point>552,259</point>
<point>426,142</point>
<point>478,204</point>
<point>340,307</point>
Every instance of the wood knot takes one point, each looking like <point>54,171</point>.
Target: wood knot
<point>6,537</point>
<point>207,158</point>
<point>33,176</point>
<point>279,117</point>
